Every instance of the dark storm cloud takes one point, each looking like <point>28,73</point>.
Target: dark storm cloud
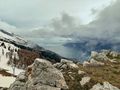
<point>106,25</point>
<point>34,13</point>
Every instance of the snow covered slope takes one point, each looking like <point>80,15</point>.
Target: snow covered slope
<point>16,54</point>
<point>5,81</point>
<point>11,37</point>
<point>8,51</point>
<point>5,54</point>
<point>9,46</point>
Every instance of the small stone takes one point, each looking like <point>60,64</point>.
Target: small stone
<point>105,86</point>
<point>81,72</point>
<point>85,80</point>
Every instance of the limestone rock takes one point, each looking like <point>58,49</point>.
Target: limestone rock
<point>105,86</point>
<point>96,63</point>
<point>85,80</point>
<point>44,72</point>
<point>66,61</point>
<point>94,54</point>
<point>64,64</point>
<point>99,56</point>
<point>86,63</point>
<point>105,52</point>
<point>105,55</point>
<point>81,72</point>
<point>114,54</point>
<point>19,82</point>
<point>43,76</point>
<point>92,62</point>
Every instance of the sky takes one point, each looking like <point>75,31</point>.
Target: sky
<point>61,19</point>
<point>35,13</point>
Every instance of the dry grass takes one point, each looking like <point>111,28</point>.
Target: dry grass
<point>110,72</point>
<point>74,84</point>
<point>26,58</point>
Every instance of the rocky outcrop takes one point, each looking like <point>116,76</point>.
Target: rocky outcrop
<point>105,55</point>
<point>114,54</point>
<point>99,59</point>
<point>42,76</point>
<point>105,86</point>
<point>92,62</point>
<point>99,56</point>
<point>65,64</point>
<point>19,82</point>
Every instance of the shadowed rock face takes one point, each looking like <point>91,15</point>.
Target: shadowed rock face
<point>43,76</point>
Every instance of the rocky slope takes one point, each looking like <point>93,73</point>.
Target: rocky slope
<point>42,75</point>
<point>21,43</point>
<point>101,73</point>
<point>52,72</point>
<point>16,54</point>
<point>23,49</point>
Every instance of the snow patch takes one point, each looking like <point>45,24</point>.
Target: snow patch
<point>6,81</point>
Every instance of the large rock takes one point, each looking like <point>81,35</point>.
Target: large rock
<point>66,64</point>
<point>99,56</point>
<point>105,86</point>
<point>19,82</point>
<point>105,55</point>
<point>114,54</point>
<point>43,76</point>
<point>70,64</point>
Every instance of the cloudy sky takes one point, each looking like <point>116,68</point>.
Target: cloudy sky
<point>61,18</point>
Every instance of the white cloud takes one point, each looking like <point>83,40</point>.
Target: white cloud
<point>33,13</point>
<point>106,26</point>
<point>7,27</point>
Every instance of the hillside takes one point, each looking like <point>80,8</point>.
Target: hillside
<point>100,72</point>
<point>26,66</point>
<point>16,54</point>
